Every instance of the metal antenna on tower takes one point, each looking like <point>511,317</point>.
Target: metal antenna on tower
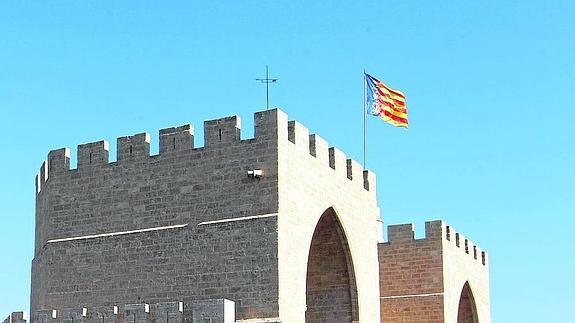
<point>267,81</point>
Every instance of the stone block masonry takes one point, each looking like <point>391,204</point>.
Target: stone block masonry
<point>281,227</point>
<point>15,317</point>
<point>214,311</point>
<point>440,278</point>
<point>189,224</point>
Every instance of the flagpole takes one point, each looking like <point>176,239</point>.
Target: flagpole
<point>364,118</point>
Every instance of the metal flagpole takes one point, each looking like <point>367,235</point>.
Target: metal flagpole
<point>364,118</point>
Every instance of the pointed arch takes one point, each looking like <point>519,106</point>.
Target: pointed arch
<point>467,311</point>
<point>331,291</point>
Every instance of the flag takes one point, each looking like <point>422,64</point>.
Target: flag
<point>385,102</point>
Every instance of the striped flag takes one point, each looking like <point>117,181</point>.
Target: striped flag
<point>385,102</point>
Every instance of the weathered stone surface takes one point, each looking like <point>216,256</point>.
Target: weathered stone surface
<point>136,313</point>
<point>45,316</point>
<point>15,317</point>
<point>105,314</point>
<point>169,312</point>
<point>182,189</point>
<point>429,279</point>
<point>190,225</point>
<point>213,311</point>
<point>74,315</point>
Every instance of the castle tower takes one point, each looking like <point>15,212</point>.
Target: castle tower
<point>282,227</point>
<point>442,277</point>
<point>277,228</point>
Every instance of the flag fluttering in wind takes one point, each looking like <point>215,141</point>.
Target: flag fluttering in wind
<point>385,102</point>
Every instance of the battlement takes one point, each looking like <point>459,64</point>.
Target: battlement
<point>435,231</point>
<point>219,135</point>
<point>210,310</point>
<point>421,280</point>
<point>458,240</point>
<point>15,317</point>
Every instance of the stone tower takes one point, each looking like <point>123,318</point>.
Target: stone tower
<point>443,277</point>
<point>277,228</point>
<point>282,225</point>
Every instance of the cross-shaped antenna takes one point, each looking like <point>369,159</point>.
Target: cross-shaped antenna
<point>267,81</point>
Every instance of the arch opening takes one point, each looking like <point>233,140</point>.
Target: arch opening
<point>467,312</point>
<point>331,292</point>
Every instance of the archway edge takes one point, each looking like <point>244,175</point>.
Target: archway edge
<point>297,223</point>
<point>341,223</point>
<point>467,295</point>
<point>349,242</point>
<point>329,250</point>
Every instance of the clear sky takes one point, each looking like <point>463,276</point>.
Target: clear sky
<point>490,88</point>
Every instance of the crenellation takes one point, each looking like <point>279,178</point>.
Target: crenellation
<point>37,183</point>
<point>270,125</point>
<point>355,172</point>
<point>299,135</point>
<point>176,139</point>
<point>400,233</point>
<point>190,224</point>
<point>93,154</point>
<point>318,148</point>
<point>433,268</point>
<point>434,230</point>
<point>223,131</point>
<point>136,313</point>
<point>480,255</point>
<point>45,316</point>
<point>41,177</point>
<point>369,182</point>
<point>169,312</point>
<point>338,161</point>
<point>18,317</point>
<point>43,173</point>
<point>105,314</point>
<point>58,161</point>
<point>133,147</point>
<point>74,315</point>
<point>213,310</point>
<point>15,317</point>
<point>464,245</point>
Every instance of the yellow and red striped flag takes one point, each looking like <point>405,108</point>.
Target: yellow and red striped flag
<point>385,102</point>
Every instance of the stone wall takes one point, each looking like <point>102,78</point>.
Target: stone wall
<point>15,317</point>
<point>466,268</point>
<point>211,310</point>
<point>411,280</point>
<point>190,224</point>
<point>316,179</point>
<point>280,224</point>
<point>186,224</point>
<point>440,278</point>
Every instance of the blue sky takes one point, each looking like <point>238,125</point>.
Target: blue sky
<point>490,88</point>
